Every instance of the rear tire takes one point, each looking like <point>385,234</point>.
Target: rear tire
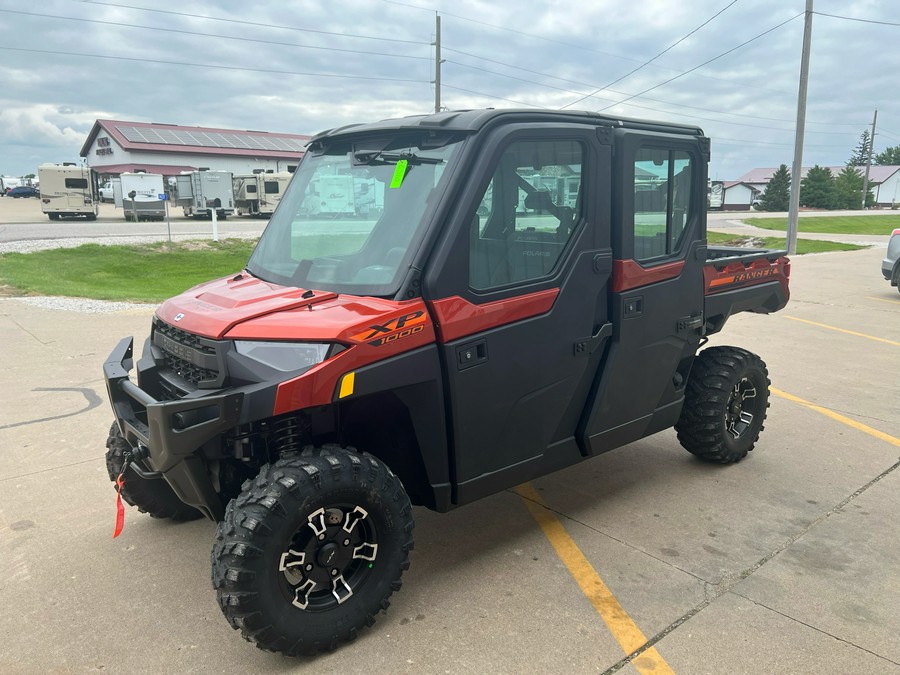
<point>153,496</point>
<point>724,405</point>
<point>312,549</point>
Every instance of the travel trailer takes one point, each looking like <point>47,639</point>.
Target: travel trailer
<point>258,194</point>
<point>141,195</point>
<point>69,191</point>
<point>199,192</point>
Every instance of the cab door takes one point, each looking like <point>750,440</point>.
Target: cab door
<point>518,291</point>
<point>656,299</point>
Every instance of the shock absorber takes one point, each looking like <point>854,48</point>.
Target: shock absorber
<point>289,434</point>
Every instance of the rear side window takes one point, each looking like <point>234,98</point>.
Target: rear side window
<point>527,213</point>
<point>271,187</point>
<point>251,189</point>
<point>662,201</point>
<point>77,183</point>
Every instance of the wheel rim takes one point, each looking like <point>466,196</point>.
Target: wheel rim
<point>742,408</point>
<point>329,558</point>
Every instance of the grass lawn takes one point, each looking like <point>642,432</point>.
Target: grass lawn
<point>143,273</point>
<point>833,224</point>
<point>154,272</point>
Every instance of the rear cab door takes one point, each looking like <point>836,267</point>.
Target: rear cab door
<point>656,291</point>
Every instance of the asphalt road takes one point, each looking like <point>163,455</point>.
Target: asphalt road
<point>784,563</point>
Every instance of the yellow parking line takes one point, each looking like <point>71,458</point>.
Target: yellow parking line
<point>622,627</point>
<point>837,416</point>
<point>894,302</point>
<point>843,330</point>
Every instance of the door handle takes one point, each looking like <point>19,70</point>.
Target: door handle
<point>471,354</point>
<point>588,346</point>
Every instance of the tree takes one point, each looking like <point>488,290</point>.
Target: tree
<point>817,189</point>
<point>860,156</point>
<point>777,195</point>
<point>890,157</point>
<point>848,187</point>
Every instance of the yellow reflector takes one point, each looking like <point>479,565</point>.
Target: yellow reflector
<point>347,385</point>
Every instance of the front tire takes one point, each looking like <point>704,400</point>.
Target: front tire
<point>724,405</point>
<point>312,549</point>
<point>152,496</point>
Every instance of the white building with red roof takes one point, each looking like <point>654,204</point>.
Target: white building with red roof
<point>114,147</point>
<point>884,184</point>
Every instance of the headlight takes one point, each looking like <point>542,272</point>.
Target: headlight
<point>284,356</point>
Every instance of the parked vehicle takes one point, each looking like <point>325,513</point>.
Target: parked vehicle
<point>200,192</point>
<point>258,194</point>
<point>107,193</point>
<point>23,191</point>
<point>430,355</point>
<point>890,266</point>
<point>69,191</point>
<point>140,195</point>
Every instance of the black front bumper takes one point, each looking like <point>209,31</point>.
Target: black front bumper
<point>167,435</point>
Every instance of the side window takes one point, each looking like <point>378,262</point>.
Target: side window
<point>76,183</point>
<point>662,193</point>
<point>271,187</point>
<point>527,213</point>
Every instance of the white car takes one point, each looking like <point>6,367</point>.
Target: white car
<point>890,266</point>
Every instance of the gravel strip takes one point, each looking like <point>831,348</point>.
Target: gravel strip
<point>33,245</point>
<point>84,305</point>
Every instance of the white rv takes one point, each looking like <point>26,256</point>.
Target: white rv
<point>199,192</point>
<point>68,190</point>
<point>141,195</point>
<point>258,194</point>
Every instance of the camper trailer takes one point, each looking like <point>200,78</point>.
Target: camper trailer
<point>201,192</point>
<point>69,191</point>
<point>140,195</point>
<point>258,194</point>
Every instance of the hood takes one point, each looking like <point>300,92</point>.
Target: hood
<point>244,307</point>
<point>214,308</point>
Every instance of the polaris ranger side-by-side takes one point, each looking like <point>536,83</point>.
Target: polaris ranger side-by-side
<point>531,291</point>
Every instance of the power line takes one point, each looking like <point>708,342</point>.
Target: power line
<point>651,60</point>
<point>745,142</point>
<point>644,107</point>
<point>490,96</point>
<point>217,67</point>
<point>853,18</point>
<point>672,79</point>
<point>214,35</point>
<point>558,42</point>
<point>250,23</point>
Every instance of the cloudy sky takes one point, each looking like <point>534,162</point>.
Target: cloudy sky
<point>301,66</point>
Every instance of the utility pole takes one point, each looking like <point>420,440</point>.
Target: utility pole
<point>437,63</point>
<point>869,160</point>
<point>797,167</point>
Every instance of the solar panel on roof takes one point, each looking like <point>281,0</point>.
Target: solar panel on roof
<point>210,139</point>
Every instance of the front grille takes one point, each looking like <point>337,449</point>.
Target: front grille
<point>195,359</point>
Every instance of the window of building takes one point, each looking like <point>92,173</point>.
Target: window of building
<point>662,201</point>
<point>527,213</point>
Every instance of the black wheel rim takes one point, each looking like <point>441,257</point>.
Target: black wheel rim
<point>329,558</point>
<point>742,409</point>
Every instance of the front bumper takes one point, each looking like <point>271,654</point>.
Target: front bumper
<point>167,435</point>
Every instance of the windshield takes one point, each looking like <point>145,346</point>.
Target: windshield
<point>353,216</point>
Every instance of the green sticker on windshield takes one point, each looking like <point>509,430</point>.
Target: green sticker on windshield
<point>399,173</point>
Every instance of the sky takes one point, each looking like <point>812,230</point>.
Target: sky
<point>302,66</point>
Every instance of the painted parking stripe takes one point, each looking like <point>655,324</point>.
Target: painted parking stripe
<point>893,302</point>
<point>622,627</point>
<point>893,440</point>
<point>843,330</point>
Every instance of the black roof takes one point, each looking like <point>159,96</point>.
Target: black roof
<point>474,120</point>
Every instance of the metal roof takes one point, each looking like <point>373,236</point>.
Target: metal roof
<point>173,138</point>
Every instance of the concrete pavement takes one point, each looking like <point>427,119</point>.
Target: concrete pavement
<point>786,562</point>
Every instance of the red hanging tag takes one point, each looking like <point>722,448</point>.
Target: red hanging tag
<point>120,508</point>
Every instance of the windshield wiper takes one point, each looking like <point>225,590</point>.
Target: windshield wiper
<point>381,158</point>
